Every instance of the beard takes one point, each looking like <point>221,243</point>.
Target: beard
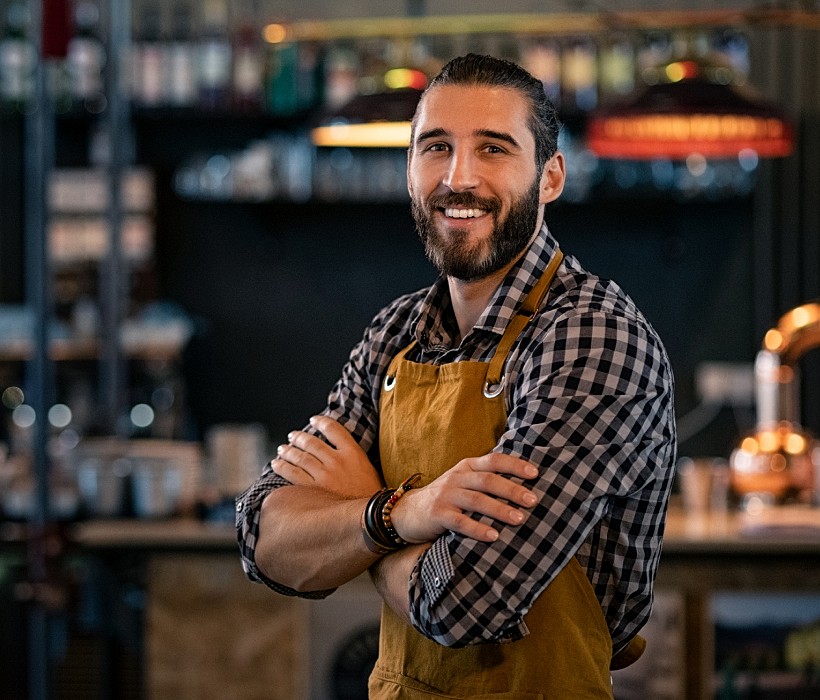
<point>452,255</point>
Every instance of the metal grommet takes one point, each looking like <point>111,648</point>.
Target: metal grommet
<point>389,382</point>
<point>493,389</point>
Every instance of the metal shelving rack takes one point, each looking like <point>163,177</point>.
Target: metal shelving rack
<point>44,546</point>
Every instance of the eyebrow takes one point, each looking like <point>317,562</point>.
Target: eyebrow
<point>498,135</point>
<point>487,133</point>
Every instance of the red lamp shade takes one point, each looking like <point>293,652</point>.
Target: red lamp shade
<point>690,115</point>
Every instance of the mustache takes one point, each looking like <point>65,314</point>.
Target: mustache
<point>467,200</point>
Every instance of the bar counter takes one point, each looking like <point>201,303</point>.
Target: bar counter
<point>704,535</point>
<point>202,613</point>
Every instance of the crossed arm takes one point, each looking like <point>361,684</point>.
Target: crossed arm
<point>310,535</point>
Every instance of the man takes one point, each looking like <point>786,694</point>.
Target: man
<point>520,411</point>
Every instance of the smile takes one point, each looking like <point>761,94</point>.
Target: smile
<point>464,213</point>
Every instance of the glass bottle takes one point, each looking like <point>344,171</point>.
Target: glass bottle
<point>214,56</point>
<point>542,58</point>
<point>85,60</point>
<point>148,58</point>
<point>282,98</point>
<point>617,68</point>
<point>248,75</point>
<point>341,76</point>
<point>17,60</point>
<point>180,78</point>
<point>579,76</point>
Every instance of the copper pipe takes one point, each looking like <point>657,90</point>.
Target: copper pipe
<point>776,370</point>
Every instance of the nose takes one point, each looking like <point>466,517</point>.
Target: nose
<point>462,173</point>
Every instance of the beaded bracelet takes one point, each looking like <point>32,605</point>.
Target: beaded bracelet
<point>378,532</point>
<point>387,508</point>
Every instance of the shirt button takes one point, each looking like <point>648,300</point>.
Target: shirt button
<point>437,581</point>
<point>239,506</point>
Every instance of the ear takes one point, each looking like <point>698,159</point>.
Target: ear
<point>553,178</point>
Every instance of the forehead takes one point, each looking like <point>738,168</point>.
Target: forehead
<point>464,110</point>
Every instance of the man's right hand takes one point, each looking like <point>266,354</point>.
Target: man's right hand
<point>474,485</point>
<point>338,465</point>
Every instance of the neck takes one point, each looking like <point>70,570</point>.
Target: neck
<point>470,298</point>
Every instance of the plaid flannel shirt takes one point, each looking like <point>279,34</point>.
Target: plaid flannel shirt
<point>589,397</point>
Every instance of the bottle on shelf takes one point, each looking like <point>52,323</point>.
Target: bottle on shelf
<point>248,73</point>
<point>283,64</point>
<point>733,46</point>
<point>148,57</point>
<point>341,75</point>
<point>579,76</point>
<point>180,86</point>
<point>655,50</point>
<point>375,57</point>
<point>542,58</point>
<point>85,60</point>
<point>17,60</point>
<point>616,68</point>
<point>214,56</point>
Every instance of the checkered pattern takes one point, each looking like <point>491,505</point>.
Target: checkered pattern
<point>589,398</point>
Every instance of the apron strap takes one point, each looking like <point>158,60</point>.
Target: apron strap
<point>526,312</point>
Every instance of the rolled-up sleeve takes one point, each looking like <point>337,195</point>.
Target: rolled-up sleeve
<point>352,402</point>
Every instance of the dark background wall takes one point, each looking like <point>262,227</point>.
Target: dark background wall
<point>284,291</point>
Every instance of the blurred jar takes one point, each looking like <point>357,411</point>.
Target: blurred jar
<point>156,485</point>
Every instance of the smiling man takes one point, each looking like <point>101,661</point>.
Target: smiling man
<point>499,449</point>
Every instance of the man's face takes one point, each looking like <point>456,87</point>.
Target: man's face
<point>475,193</point>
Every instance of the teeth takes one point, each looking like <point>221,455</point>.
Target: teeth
<point>463,213</point>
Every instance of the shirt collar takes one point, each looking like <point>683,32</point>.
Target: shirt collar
<point>435,326</point>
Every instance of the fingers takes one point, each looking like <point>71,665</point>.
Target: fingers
<point>293,473</point>
<point>338,437</point>
<point>504,464</point>
<point>341,466</point>
<point>304,456</point>
<point>484,475</point>
<point>299,440</point>
<point>337,434</point>
<point>474,487</point>
<point>477,502</point>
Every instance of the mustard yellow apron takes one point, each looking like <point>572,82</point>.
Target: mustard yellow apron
<point>431,418</point>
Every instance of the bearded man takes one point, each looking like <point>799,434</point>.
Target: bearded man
<point>499,450</point>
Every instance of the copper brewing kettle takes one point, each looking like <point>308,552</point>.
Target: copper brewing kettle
<point>780,460</point>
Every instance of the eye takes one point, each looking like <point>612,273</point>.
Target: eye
<point>493,148</point>
<point>437,147</point>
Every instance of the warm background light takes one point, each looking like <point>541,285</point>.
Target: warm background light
<point>275,33</point>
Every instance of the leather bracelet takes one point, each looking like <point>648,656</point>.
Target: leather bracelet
<point>373,531</point>
<point>370,543</point>
<point>378,533</point>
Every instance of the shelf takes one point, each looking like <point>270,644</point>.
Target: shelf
<point>547,23</point>
<point>73,350</point>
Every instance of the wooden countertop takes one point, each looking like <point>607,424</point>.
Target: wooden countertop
<point>786,531</point>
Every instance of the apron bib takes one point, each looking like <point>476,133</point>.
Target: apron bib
<point>431,418</point>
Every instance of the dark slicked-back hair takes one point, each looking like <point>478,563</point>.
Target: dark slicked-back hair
<point>474,69</point>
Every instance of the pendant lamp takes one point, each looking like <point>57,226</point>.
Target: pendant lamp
<point>377,120</point>
<point>694,108</point>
